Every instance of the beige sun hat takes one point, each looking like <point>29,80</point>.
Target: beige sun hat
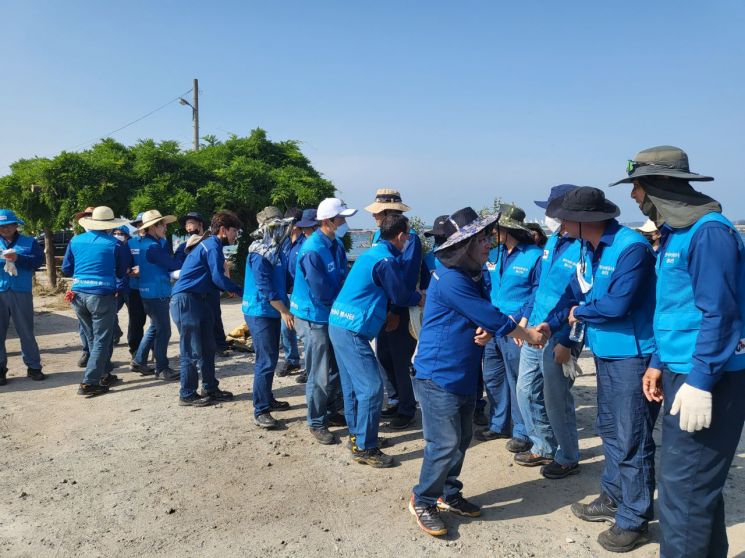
<point>101,219</point>
<point>152,216</point>
<point>385,198</point>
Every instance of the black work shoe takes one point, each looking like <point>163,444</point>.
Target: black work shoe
<point>218,395</point>
<point>223,352</point>
<point>194,400</point>
<point>83,360</point>
<point>168,375</point>
<point>35,374</point>
<point>529,459</point>
<point>3,376</point>
<point>143,369</point>
<point>302,378</point>
<point>373,457</point>
<point>486,435</point>
<point>480,418</point>
<point>616,539</point>
<point>323,436</point>
<point>382,442</point>
<point>400,422</point>
<point>555,470</point>
<point>518,445</point>
<point>92,391</point>
<point>601,508</point>
<point>290,369</point>
<point>336,420</point>
<point>110,380</point>
<point>389,412</point>
<point>428,518</point>
<point>459,505</point>
<point>266,420</point>
<point>276,405</point>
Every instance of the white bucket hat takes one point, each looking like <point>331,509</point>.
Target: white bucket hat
<point>152,216</point>
<point>101,219</point>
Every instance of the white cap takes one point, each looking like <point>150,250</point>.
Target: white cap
<point>333,207</point>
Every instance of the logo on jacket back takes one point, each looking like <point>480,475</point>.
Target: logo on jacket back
<point>740,349</point>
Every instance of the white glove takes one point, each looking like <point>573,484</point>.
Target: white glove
<point>174,275</point>
<point>694,406</point>
<point>10,268</point>
<point>571,369</point>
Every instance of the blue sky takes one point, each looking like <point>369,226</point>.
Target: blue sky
<point>452,103</point>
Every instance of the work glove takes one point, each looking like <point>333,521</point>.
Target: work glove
<point>571,369</point>
<point>10,268</point>
<point>694,406</point>
<point>174,275</point>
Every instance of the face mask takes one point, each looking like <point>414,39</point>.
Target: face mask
<point>649,209</point>
<point>341,230</point>
<point>553,224</point>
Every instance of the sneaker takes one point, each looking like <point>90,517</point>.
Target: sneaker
<point>382,442</point>
<point>302,378</point>
<point>373,457</point>
<point>479,418</point>
<point>601,508</point>
<point>276,405</point>
<point>218,395</point>
<point>323,436</point>
<point>555,470</point>
<point>143,369</point>
<point>336,420</point>
<point>486,435</point>
<point>91,391</point>
<point>459,505</point>
<point>35,374</point>
<point>518,445</point>
<point>3,376</point>
<point>83,360</point>
<point>530,459</point>
<point>110,380</point>
<point>266,420</point>
<point>428,518</point>
<point>168,375</point>
<point>194,400</point>
<point>390,411</point>
<point>400,422</point>
<point>616,539</point>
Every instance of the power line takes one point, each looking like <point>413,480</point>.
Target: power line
<point>131,123</point>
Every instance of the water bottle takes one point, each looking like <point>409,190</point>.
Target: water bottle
<point>577,333</point>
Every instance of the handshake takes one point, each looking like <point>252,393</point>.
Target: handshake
<point>534,336</point>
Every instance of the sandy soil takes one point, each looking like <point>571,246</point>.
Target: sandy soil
<point>133,474</point>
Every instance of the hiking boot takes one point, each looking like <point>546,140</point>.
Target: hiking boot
<point>428,518</point>
<point>555,470</point>
<point>276,405</point>
<point>529,459</point>
<point>110,380</point>
<point>487,435</point>
<point>91,391</point>
<point>168,375</point>
<point>616,539</point>
<point>323,436</point>
<point>382,442</point>
<point>518,445</point>
<point>266,420</point>
<point>3,376</point>
<point>390,411</point>
<point>83,360</point>
<point>479,418</point>
<point>336,420</point>
<point>459,505</point>
<point>143,369</point>
<point>302,377</point>
<point>288,369</point>
<point>601,508</point>
<point>35,374</point>
<point>194,400</point>
<point>373,457</point>
<point>218,395</point>
<point>400,422</point>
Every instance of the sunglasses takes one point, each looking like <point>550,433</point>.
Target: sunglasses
<point>631,166</point>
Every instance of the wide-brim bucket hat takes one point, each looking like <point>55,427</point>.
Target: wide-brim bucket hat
<point>308,219</point>
<point>583,205</point>
<point>101,219</point>
<point>511,218</point>
<point>466,224</point>
<point>153,217</point>
<point>385,198</point>
<point>663,160</point>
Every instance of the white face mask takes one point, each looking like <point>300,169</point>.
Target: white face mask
<point>341,230</point>
<point>553,224</point>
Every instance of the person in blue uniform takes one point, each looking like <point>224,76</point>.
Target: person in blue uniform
<point>203,271</point>
<point>698,368</point>
<point>513,276</point>
<point>291,246</point>
<point>612,296</point>
<point>321,267</point>
<point>308,224</point>
<point>123,235</point>
<point>395,345</point>
<point>358,314</point>
<point>135,309</point>
<point>20,257</point>
<point>95,260</point>
<point>265,304</point>
<point>459,320</point>
<point>156,265</point>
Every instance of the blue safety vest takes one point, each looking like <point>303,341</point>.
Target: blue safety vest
<point>677,320</point>
<point>361,306</point>
<point>21,283</point>
<point>134,249</point>
<point>302,302</point>
<point>510,289</point>
<point>631,335</point>
<point>254,303</point>
<point>555,277</point>
<point>155,281</point>
<point>431,261</point>
<point>94,254</point>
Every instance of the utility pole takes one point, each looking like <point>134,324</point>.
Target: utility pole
<point>195,114</point>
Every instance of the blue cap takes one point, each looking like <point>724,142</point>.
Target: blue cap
<point>124,229</point>
<point>7,217</point>
<point>308,220</point>
<point>137,221</point>
<point>556,192</point>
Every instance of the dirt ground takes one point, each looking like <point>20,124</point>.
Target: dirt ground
<point>133,474</point>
